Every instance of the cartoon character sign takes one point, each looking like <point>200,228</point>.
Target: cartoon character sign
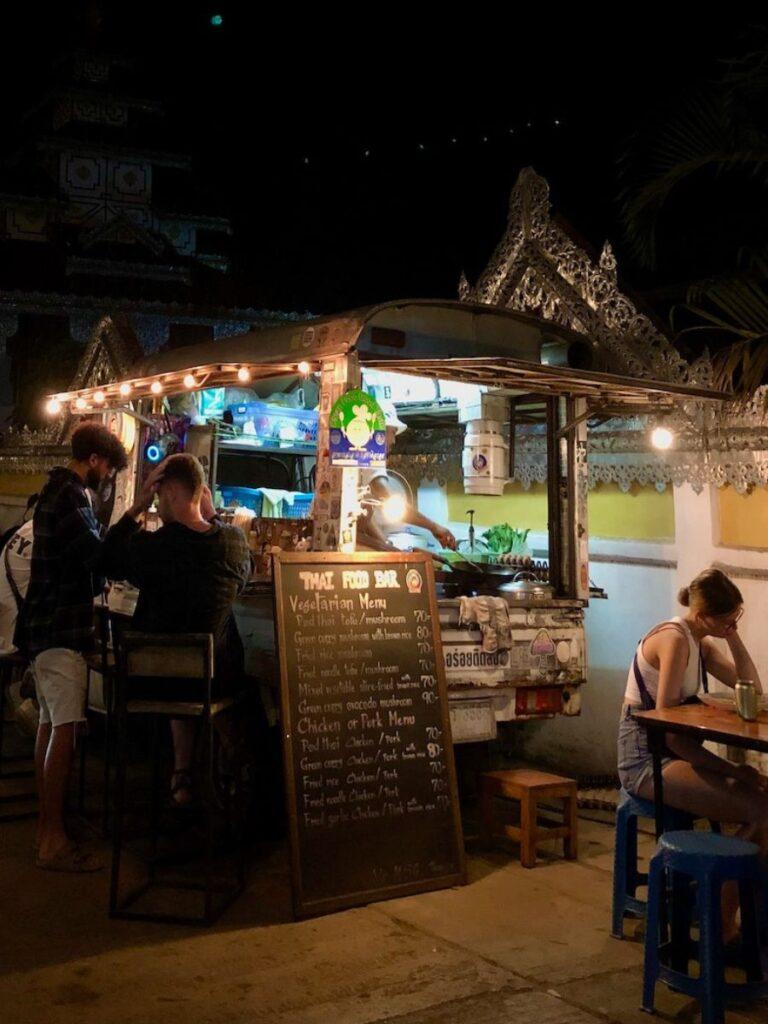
<point>357,431</point>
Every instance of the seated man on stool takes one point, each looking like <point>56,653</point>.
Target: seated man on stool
<point>189,573</point>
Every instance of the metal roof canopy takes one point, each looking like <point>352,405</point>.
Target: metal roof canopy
<point>422,337</point>
<point>519,377</point>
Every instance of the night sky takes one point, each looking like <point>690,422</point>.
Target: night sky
<point>255,97</point>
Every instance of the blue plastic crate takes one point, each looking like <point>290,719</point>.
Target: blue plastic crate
<point>247,497</point>
<point>302,505</point>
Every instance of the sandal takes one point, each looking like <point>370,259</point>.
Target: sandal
<point>181,782</point>
<point>73,860</point>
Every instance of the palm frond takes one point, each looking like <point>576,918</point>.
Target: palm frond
<point>717,130</point>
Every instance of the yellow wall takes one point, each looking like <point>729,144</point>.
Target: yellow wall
<point>22,484</point>
<point>641,514</point>
<point>518,507</point>
<point>743,518</point>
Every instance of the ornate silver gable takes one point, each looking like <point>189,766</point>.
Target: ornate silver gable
<point>539,269</point>
<point>111,350</point>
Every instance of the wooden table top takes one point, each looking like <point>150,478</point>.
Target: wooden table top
<point>709,723</point>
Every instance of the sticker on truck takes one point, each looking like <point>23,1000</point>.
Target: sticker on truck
<point>472,656</point>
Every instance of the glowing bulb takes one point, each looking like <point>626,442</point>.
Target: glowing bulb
<point>125,388</point>
<point>243,374</point>
<point>80,403</point>
<point>304,368</point>
<point>662,438</point>
<point>156,387</point>
<point>53,407</point>
<point>98,397</point>
<point>394,508</point>
<point>189,380</point>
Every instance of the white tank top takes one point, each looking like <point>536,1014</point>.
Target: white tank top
<point>691,678</point>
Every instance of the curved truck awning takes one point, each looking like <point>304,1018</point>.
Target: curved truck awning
<point>429,337</point>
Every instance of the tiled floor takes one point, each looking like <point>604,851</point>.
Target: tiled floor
<point>511,946</point>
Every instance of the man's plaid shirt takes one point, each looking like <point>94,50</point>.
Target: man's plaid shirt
<point>58,608</point>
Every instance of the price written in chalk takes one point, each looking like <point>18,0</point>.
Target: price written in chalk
<point>365,710</point>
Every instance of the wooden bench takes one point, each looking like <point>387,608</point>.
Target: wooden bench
<point>528,787</point>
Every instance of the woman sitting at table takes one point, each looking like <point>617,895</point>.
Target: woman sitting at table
<point>670,665</point>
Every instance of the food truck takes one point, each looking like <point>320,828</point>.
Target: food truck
<point>255,409</point>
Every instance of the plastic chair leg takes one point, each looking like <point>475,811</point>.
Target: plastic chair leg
<point>749,894</point>
<point>656,893</point>
<point>620,873</point>
<point>711,953</point>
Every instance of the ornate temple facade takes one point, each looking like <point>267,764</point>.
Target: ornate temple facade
<point>100,215</point>
<point>539,269</point>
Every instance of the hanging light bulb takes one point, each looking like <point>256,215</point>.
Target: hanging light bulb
<point>189,381</point>
<point>125,388</point>
<point>243,374</point>
<point>394,508</point>
<point>99,397</point>
<point>80,404</point>
<point>304,368</point>
<point>156,387</point>
<point>53,407</point>
<point>662,438</point>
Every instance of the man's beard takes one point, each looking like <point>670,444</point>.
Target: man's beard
<point>92,479</point>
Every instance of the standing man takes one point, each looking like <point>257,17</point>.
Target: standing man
<point>55,626</point>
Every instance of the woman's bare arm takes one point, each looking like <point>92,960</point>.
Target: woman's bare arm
<point>672,650</point>
<point>726,670</point>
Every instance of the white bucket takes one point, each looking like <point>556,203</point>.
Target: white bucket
<point>485,459</point>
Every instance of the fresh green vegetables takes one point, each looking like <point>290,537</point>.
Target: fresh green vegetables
<point>504,538</point>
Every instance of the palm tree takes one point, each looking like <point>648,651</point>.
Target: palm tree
<point>715,137</point>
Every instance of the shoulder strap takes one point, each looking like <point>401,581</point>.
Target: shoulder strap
<point>666,625</point>
<point>649,704</point>
<point>11,581</point>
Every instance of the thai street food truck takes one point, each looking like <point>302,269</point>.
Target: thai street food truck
<point>255,408</point>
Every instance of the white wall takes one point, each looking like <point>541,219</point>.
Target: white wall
<point>638,597</point>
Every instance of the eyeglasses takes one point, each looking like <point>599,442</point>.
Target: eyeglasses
<point>731,624</point>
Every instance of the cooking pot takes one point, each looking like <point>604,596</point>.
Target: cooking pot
<point>525,587</point>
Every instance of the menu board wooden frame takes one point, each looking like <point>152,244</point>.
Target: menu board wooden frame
<point>305,905</point>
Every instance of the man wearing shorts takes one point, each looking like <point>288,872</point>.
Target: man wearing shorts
<point>55,626</point>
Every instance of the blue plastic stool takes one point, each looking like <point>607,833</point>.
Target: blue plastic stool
<point>626,877</point>
<point>709,860</point>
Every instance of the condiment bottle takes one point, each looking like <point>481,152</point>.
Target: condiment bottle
<point>746,700</point>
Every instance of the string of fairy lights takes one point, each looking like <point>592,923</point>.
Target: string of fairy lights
<point>89,400</point>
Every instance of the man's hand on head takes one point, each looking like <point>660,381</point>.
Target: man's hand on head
<point>207,508</point>
<point>146,493</point>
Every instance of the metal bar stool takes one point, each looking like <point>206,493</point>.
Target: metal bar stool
<point>169,665</point>
<point>12,669</point>
<point>101,663</point>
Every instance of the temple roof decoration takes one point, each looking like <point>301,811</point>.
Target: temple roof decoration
<point>539,269</point>
<point>111,350</point>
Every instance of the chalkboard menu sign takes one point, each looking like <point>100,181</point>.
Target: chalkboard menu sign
<point>371,781</point>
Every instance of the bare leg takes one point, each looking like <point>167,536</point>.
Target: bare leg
<point>708,795</point>
<point>183,733</point>
<point>55,779</point>
<point>41,748</point>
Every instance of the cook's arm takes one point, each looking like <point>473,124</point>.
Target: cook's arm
<point>380,491</point>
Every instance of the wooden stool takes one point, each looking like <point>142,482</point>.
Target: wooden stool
<point>528,787</point>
